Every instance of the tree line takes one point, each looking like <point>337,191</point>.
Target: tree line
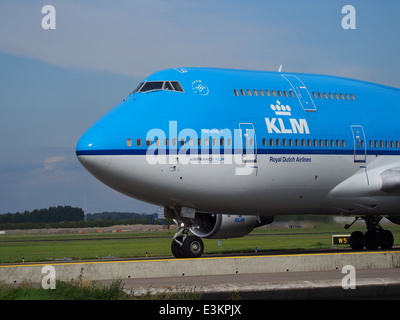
<point>115,216</point>
<point>70,217</point>
<point>52,214</point>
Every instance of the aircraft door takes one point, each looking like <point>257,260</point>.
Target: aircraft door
<point>301,92</point>
<point>249,148</point>
<point>360,145</point>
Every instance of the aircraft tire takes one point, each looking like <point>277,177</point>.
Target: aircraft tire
<point>193,247</point>
<point>386,239</point>
<point>357,240</point>
<point>176,249</point>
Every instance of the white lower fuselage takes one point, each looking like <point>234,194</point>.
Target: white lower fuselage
<point>305,184</point>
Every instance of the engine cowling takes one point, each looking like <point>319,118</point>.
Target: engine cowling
<point>223,226</point>
<point>394,219</point>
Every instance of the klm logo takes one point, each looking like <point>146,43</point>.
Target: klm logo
<point>279,125</point>
<point>239,219</point>
<point>285,125</point>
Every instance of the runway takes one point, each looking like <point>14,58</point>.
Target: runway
<point>279,276</point>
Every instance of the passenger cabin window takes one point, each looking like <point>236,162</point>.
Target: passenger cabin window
<point>158,85</point>
<point>324,95</point>
<point>290,93</point>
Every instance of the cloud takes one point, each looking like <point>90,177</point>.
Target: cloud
<point>132,37</point>
<point>49,162</point>
<point>58,180</point>
<point>136,38</point>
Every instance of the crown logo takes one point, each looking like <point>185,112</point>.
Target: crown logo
<point>281,110</point>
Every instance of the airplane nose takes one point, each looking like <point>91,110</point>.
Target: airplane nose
<point>91,150</point>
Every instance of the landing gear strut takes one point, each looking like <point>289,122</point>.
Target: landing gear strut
<point>185,246</point>
<point>374,238</point>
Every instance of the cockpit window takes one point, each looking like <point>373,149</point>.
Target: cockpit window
<point>168,86</point>
<point>177,86</point>
<point>138,87</point>
<point>152,85</point>
<point>158,85</point>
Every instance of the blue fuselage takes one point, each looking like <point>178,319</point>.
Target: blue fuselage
<point>232,141</point>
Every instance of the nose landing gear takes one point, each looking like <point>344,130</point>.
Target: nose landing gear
<point>185,246</point>
<point>374,238</point>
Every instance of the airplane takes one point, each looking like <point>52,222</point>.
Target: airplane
<point>224,151</point>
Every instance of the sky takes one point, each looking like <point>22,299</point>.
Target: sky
<point>55,83</point>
